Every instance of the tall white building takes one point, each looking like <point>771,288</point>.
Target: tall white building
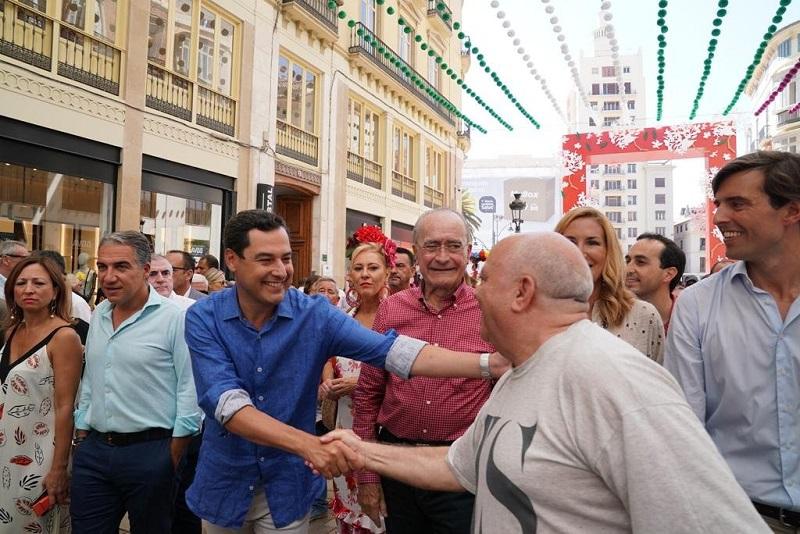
<point>635,196</point>
<point>776,128</point>
<point>690,235</point>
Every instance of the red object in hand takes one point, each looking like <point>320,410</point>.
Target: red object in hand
<point>42,505</point>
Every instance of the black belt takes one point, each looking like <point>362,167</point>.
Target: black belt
<point>387,437</point>
<point>788,518</point>
<point>121,439</point>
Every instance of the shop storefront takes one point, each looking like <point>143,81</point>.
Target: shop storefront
<point>56,191</point>
<point>184,207</point>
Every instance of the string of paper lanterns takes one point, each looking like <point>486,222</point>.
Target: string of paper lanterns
<point>788,77</point>
<point>399,63</point>
<point>712,47</point>
<point>762,47</point>
<point>662,44</point>
<point>527,59</point>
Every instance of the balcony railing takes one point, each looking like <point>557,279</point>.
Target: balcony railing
<point>465,51</point>
<point>785,117</point>
<point>319,9</point>
<point>364,171</point>
<point>364,41</point>
<point>175,95</point>
<point>404,187</point>
<point>31,36</point>
<point>464,131</point>
<point>445,13</point>
<point>297,143</point>
<point>433,198</point>
<point>216,111</point>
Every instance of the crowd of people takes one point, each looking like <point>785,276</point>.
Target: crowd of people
<point>571,390</point>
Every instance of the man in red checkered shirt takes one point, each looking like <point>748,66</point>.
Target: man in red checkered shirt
<point>424,411</point>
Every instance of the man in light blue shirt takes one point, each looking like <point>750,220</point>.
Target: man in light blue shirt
<point>138,406</point>
<point>734,339</point>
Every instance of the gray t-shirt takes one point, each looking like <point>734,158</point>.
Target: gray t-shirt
<point>588,435</point>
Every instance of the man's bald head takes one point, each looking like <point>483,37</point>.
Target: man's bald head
<point>552,260</point>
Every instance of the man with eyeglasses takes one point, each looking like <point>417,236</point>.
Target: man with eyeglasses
<point>183,267</point>
<point>11,253</point>
<point>160,277</point>
<point>443,311</point>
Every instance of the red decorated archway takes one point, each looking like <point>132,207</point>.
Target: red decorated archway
<point>713,141</point>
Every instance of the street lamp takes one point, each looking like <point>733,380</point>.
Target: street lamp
<point>516,206</point>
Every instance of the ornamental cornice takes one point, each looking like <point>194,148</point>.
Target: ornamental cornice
<point>53,92</point>
<point>365,192</point>
<point>181,134</point>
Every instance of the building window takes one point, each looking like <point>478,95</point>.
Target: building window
<point>785,48</point>
<point>612,185</point>
<point>435,177</point>
<point>631,182</point>
<point>609,72</point>
<point>661,198</point>
<point>661,215</point>
<point>595,184</point>
<point>632,200</point>
<point>615,168</point>
<point>627,88</point>
<point>610,121</point>
<point>618,232</point>
<point>614,201</point>
<point>403,148</point>
<point>632,168</point>
<point>614,216</point>
<point>593,105</point>
<point>661,230</point>
<point>631,216</point>
<point>213,35</point>
<point>660,181</point>
<point>595,88</point>
<point>633,232</point>
<point>631,104</point>
<point>610,89</point>
<point>405,48</point>
<point>591,122</point>
<point>433,71</point>
<point>702,243</point>
<point>364,126</point>
<point>297,95</point>
<point>611,105</point>
<point>626,70</point>
<point>369,14</point>
<point>594,168</point>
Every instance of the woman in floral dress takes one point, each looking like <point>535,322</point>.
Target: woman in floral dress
<point>39,371</point>
<point>368,275</point>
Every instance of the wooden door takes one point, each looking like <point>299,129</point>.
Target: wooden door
<point>296,211</point>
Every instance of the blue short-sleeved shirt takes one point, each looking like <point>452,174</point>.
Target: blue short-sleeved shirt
<point>279,368</point>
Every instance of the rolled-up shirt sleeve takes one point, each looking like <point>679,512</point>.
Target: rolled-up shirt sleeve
<point>395,353</point>
<point>220,392</point>
<point>187,416</point>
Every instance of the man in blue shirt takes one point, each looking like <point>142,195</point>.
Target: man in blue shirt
<point>734,340</point>
<point>138,407</point>
<point>257,351</point>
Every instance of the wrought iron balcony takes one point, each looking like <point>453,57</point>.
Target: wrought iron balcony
<point>177,96</point>
<point>364,171</point>
<point>297,143</point>
<point>30,36</point>
<point>404,187</point>
<point>365,43</point>
<point>318,10</point>
<point>785,117</point>
<point>444,14</point>
<point>464,131</point>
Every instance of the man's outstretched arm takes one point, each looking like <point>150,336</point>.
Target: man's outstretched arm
<point>422,467</point>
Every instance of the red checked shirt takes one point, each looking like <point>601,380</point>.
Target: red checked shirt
<point>421,408</point>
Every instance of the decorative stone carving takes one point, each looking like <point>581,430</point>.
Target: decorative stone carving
<point>297,173</point>
<point>60,94</point>
<point>187,136</point>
